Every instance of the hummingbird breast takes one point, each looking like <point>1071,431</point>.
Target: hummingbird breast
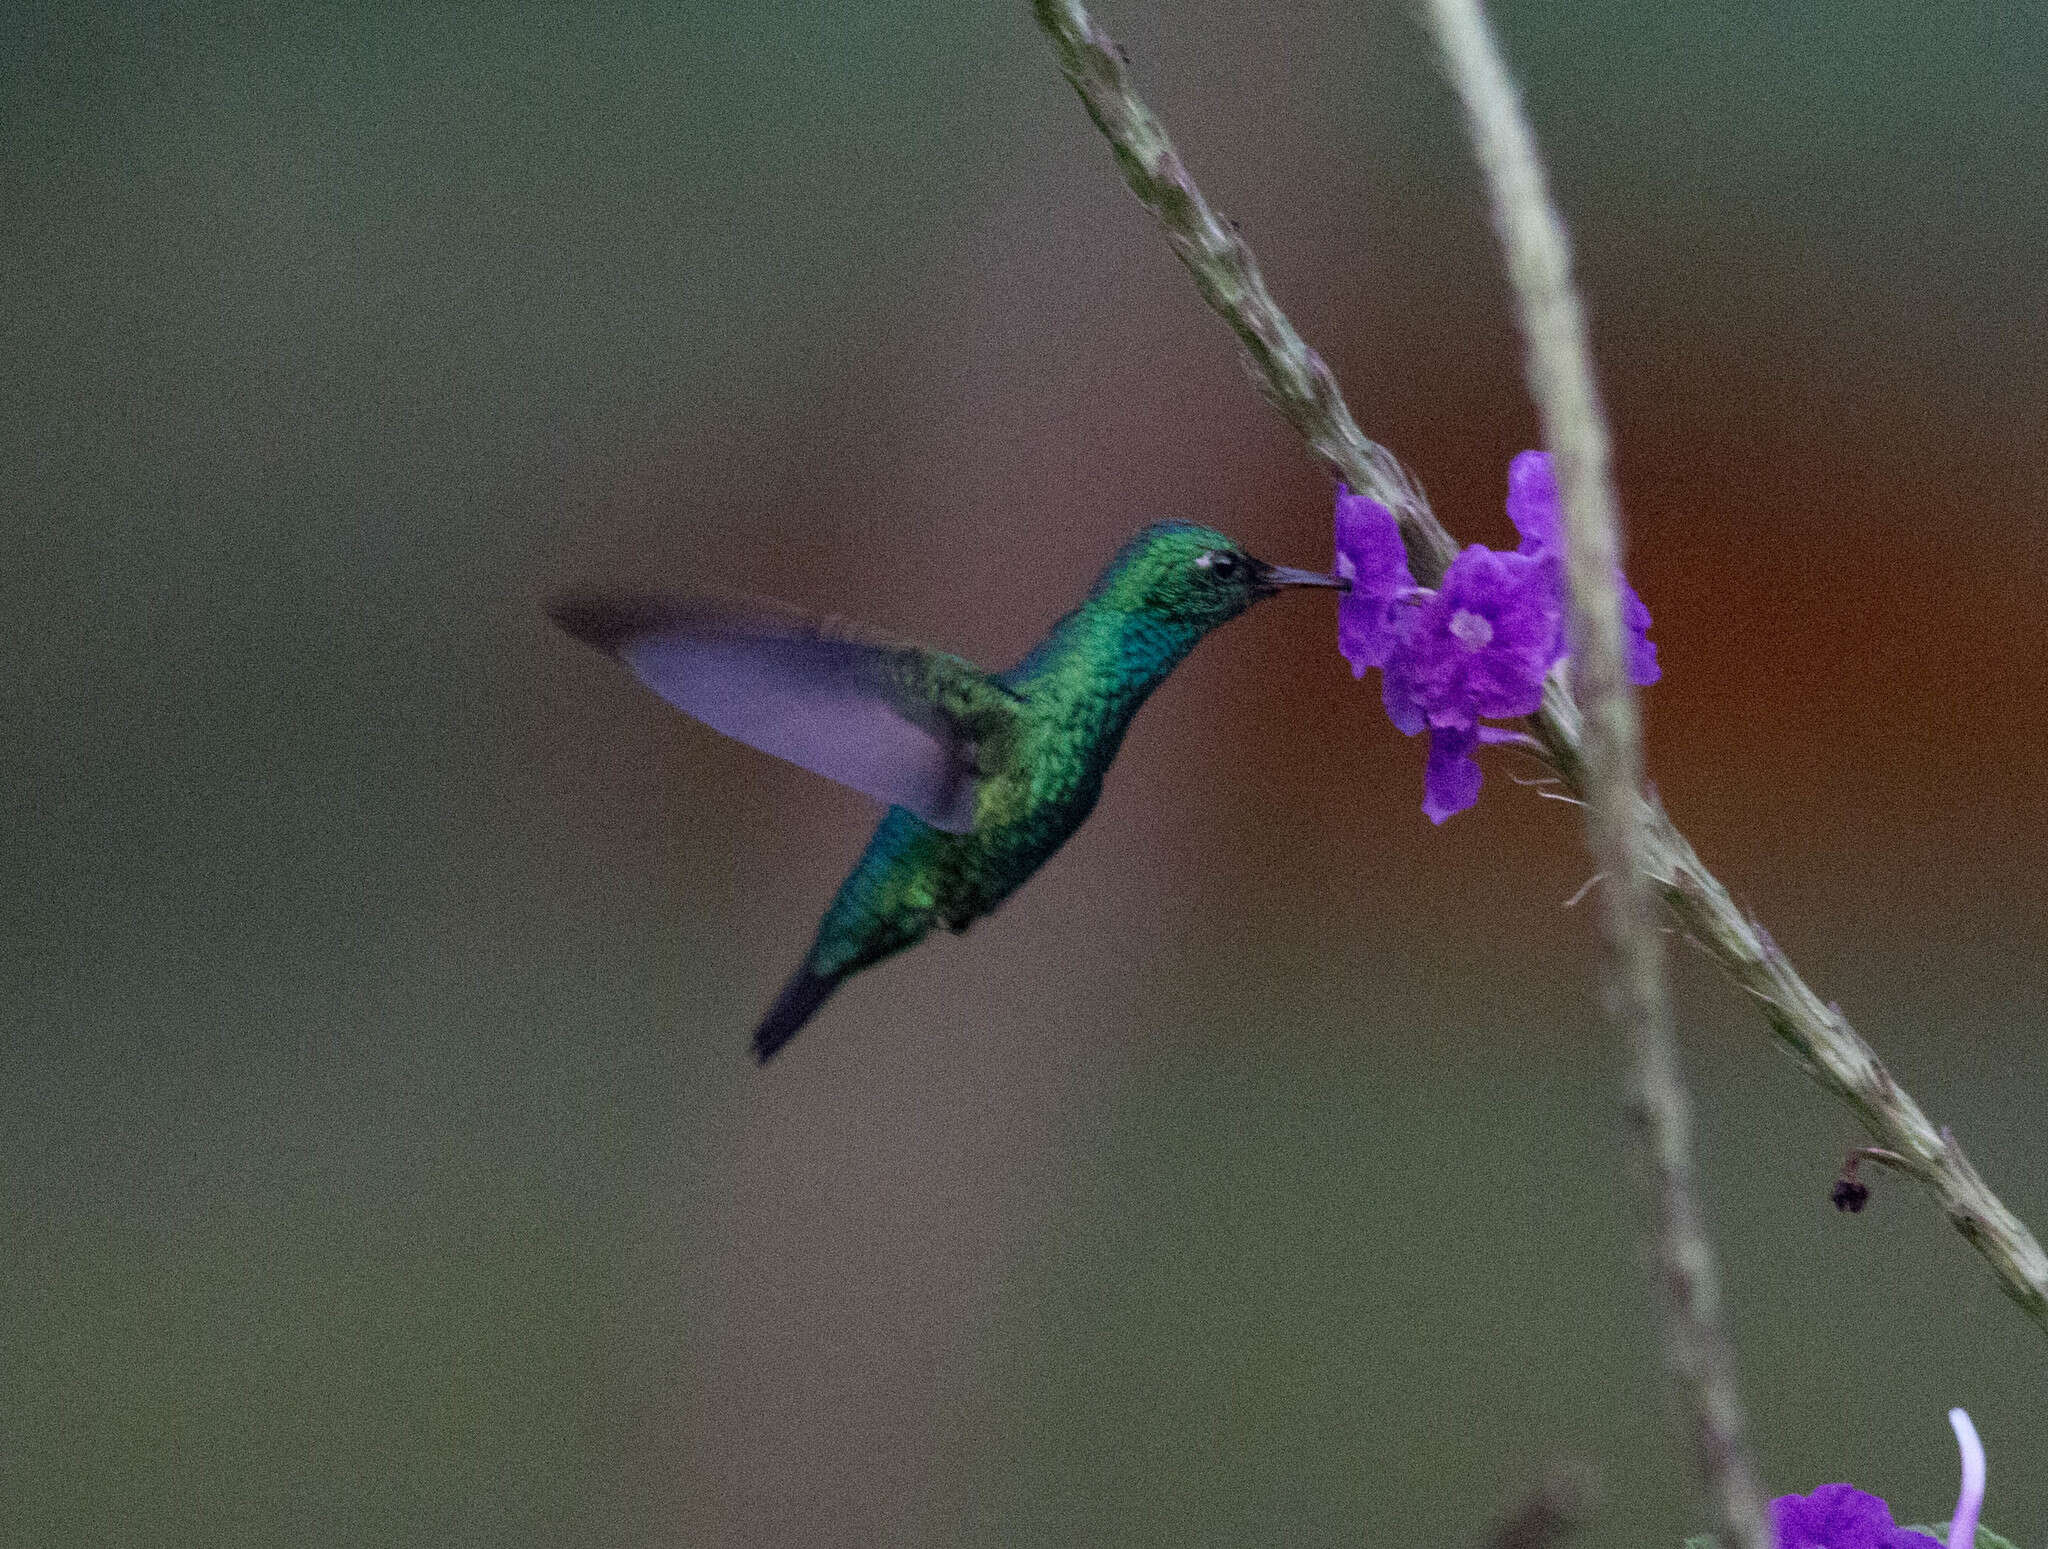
<point>1078,693</point>
<point>1041,788</point>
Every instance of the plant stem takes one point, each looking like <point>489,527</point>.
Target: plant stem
<point>1294,378</point>
<point>1560,372</point>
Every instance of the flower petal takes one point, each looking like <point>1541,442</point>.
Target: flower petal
<point>1532,502</point>
<point>1412,683</point>
<point>1451,781</point>
<point>1371,557</point>
<point>1962,1527</point>
<point>1517,595</point>
<point>1538,514</point>
<point>1642,651</point>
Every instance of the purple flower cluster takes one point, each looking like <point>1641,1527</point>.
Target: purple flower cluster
<point>1840,1516</point>
<point>1478,647</point>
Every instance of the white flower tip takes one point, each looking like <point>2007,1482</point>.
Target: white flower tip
<point>1962,1527</point>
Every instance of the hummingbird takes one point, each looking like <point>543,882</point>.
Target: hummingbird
<point>985,774</point>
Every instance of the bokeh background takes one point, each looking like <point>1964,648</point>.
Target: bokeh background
<point>380,1159</point>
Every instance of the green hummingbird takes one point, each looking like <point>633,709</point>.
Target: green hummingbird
<point>985,774</point>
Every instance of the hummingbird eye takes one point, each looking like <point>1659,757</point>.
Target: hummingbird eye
<point>1220,563</point>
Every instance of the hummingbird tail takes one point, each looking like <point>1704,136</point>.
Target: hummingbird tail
<point>806,991</point>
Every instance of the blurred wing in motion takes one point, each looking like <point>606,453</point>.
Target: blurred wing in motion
<point>900,723</point>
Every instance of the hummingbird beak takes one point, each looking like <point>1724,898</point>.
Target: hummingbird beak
<point>1274,577</point>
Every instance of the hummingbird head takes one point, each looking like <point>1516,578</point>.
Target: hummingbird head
<point>1183,574</point>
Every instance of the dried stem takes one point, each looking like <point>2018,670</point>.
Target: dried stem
<point>1294,378</point>
<point>1560,370</point>
<point>1828,1049</point>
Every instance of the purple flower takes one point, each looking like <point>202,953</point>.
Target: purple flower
<point>1840,1516</point>
<point>1536,511</point>
<point>1370,556</point>
<point>1479,647</point>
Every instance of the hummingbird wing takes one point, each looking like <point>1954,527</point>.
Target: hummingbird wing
<point>907,725</point>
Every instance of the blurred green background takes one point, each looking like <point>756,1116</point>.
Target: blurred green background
<point>381,1163</point>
